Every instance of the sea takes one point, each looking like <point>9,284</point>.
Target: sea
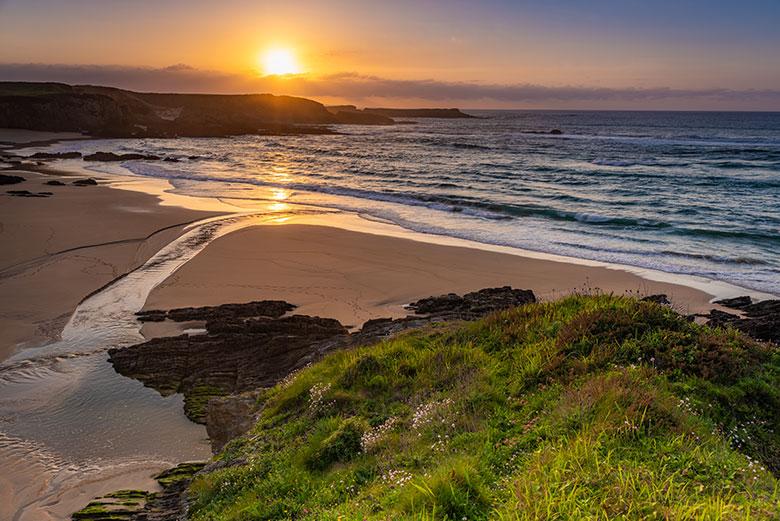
<point>691,193</point>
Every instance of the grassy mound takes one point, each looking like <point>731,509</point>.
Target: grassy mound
<point>589,407</point>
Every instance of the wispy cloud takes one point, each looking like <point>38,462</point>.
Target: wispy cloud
<point>361,88</point>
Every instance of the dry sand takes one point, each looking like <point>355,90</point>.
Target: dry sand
<point>57,250</point>
<point>354,276</point>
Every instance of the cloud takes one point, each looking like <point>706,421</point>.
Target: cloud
<point>360,89</point>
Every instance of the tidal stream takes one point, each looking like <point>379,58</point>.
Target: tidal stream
<point>70,426</point>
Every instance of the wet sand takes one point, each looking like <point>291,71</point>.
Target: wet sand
<point>59,249</point>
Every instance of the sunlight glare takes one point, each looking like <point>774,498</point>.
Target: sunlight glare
<point>279,62</point>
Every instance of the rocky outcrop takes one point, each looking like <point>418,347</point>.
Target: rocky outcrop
<point>27,193</point>
<point>56,155</point>
<point>140,505</point>
<point>228,417</point>
<point>110,156</point>
<point>660,298</point>
<point>10,179</point>
<point>473,305</point>
<point>242,350</point>
<point>109,112</point>
<point>254,345</point>
<point>760,320</point>
<point>85,182</point>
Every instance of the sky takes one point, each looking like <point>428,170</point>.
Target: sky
<point>610,54</point>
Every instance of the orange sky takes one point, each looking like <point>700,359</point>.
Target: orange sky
<point>561,43</point>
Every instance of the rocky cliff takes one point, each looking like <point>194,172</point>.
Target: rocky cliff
<point>110,112</point>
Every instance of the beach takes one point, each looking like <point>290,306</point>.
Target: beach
<point>62,248</point>
<point>354,277</point>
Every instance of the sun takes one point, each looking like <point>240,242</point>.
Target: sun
<point>279,61</point>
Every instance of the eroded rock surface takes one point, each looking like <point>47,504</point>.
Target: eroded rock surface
<point>228,417</point>
<point>760,320</point>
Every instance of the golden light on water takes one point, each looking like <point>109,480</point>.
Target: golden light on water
<point>279,61</point>
<point>280,194</point>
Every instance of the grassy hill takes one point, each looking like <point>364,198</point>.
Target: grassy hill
<point>590,407</point>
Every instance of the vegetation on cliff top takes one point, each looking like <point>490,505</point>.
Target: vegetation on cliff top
<point>589,407</point>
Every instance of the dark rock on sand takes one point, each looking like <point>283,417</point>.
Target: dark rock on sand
<point>56,155</point>
<point>110,156</point>
<point>661,299</point>
<point>473,305</point>
<point>54,182</point>
<point>85,182</point>
<point>27,193</point>
<point>736,302</point>
<point>10,179</point>
<point>263,308</point>
<point>760,320</point>
<point>254,345</point>
<point>556,132</point>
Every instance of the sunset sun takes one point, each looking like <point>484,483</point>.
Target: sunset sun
<point>279,61</point>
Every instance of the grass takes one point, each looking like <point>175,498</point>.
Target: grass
<point>591,407</point>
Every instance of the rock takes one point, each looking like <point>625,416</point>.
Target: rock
<point>27,193</point>
<point>151,316</point>
<point>556,132</point>
<point>760,320</point>
<point>736,302</point>
<point>10,179</point>
<point>231,416</point>
<point>122,505</point>
<point>255,345</point>
<point>140,505</point>
<point>262,308</point>
<point>85,182</point>
<point>238,353</point>
<point>473,305</point>
<point>54,182</point>
<point>56,155</point>
<point>110,156</point>
<point>658,299</point>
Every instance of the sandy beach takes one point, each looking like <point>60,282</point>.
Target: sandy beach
<point>354,276</point>
<point>63,247</point>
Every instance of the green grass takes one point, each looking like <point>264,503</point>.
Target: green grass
<point>592,407</point>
